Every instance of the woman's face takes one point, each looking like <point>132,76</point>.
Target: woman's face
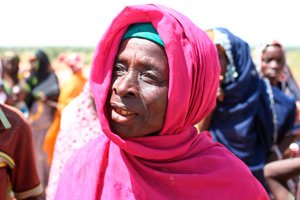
<point>272,64</point>
<point>138,96</point>
<point>33,65</point>
<point>11,65</point>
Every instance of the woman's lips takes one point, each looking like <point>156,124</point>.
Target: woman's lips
<point>122,116</point>
<point>124,112</point>
<point>272,74</point>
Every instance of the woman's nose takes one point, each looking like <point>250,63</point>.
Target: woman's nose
<point>126,86</point>
<point>275,65</point>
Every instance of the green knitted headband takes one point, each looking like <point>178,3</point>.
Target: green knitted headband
<point>143,30</point>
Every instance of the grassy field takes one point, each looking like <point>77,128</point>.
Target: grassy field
<point>293,57</point>
<point>293,60</point>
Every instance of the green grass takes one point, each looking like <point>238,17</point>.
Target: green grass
<point>293,60</point>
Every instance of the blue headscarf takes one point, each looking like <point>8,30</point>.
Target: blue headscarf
<point>253,115</point>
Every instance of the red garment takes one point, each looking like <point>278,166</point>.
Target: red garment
<point>17,161</point>
<point>179,163</point>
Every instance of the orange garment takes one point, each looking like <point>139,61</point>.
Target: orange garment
<point>69,91</point>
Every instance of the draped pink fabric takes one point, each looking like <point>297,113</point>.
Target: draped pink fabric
<point>179,163</point>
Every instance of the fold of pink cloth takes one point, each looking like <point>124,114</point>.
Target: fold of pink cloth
<point>179,163</point>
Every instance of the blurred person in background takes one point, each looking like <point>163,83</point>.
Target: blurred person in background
<point>18,171</point>
<point>41,77</point>
<point>12,82</point>
<point>270,60</point>
<point>3,93</point>
<point>68,92</point>
<point>79,124</point>
<point>251,116</point>
<point>10,75</point>
<point>42,93</point>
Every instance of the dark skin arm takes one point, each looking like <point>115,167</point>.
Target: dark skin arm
<point>277,174</point>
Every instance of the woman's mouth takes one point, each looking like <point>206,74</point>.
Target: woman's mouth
<point>124,112</point>
<point>122,116</point>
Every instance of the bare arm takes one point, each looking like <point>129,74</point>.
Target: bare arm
<point>277,174</point>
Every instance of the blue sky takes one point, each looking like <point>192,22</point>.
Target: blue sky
<point>82,22</point>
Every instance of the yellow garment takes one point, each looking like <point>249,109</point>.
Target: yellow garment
<point>69,91</point>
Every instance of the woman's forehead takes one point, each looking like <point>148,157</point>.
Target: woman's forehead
<point>144,52</point>
<point>274,49</point>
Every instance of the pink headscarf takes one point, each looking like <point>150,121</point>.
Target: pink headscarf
<point>74,61</point>
<point>179,163</point>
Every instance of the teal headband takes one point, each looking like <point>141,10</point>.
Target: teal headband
<point>143,30</point>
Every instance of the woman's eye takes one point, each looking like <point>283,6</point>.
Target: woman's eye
<point>280,61</point>
<point>150,76</point>
<point>118,69</point>
<point>266,60</point>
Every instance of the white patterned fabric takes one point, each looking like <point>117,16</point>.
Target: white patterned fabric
<point>79,124</point>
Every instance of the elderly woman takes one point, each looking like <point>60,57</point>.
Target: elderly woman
<point>154,75</point>
<point>252,116</point>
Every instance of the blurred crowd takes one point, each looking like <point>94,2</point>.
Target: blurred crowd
<point>41,99</point>
<point>256,117</point>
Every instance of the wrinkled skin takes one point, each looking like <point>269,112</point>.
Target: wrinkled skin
<point>138,96</point>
